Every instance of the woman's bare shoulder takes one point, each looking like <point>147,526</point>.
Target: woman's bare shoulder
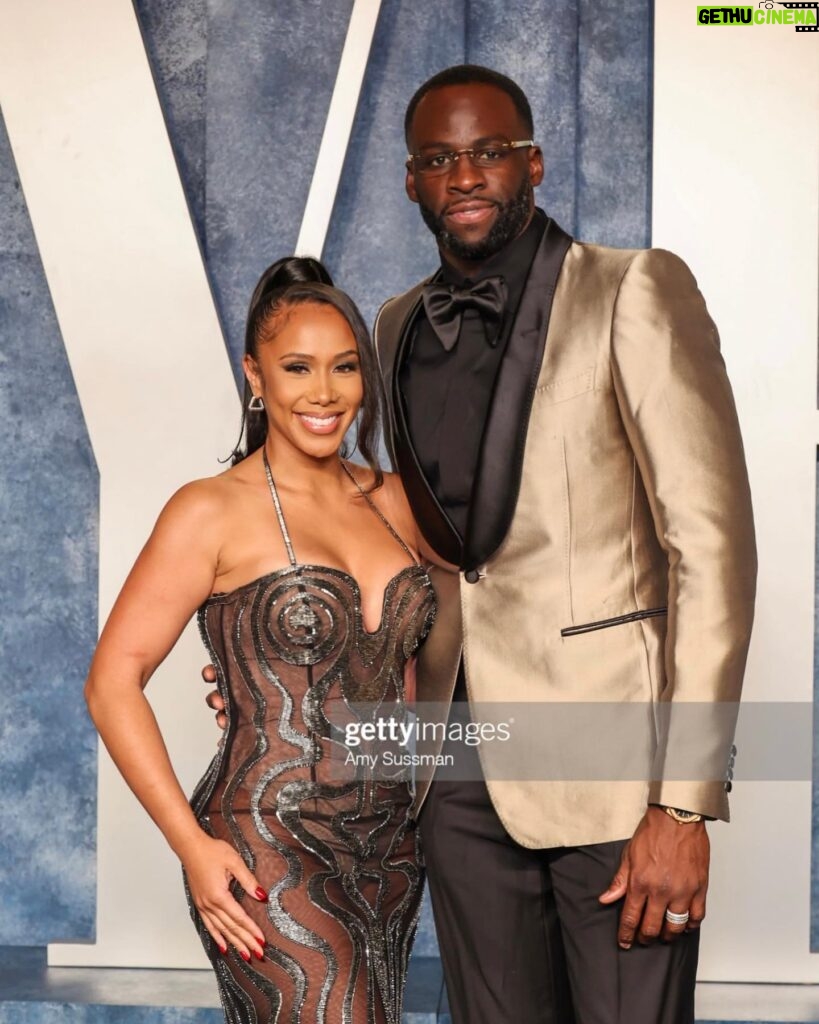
<point>201,504</point>
<point>216,494</point>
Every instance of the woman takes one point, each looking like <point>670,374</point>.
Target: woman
<point>301,869</point>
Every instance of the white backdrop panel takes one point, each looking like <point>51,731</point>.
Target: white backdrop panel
<point>736,165</point>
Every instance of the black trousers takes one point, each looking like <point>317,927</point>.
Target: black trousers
<point>523,939</point>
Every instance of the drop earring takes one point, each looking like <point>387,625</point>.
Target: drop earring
<point>256,404</point>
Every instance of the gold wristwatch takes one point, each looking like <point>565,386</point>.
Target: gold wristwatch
<point>680,816</point>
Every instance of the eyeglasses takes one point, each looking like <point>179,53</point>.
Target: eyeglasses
<point>489,155</point>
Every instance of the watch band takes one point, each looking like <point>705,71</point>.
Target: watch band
<point>680,816</point>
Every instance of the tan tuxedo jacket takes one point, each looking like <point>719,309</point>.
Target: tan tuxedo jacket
<point>610,534</point>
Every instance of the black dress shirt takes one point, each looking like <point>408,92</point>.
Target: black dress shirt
<point>447,394</point>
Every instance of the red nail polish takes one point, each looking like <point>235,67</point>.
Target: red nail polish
<point>261,895</point>
<point>258,956</point>
<point>244,956</point>
<point>223,950</point>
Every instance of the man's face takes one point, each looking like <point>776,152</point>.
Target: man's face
<point>474,212</point>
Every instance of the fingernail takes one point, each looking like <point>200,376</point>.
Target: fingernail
<point>261,895</point>
<point>259,956</point>
<point>223,950</point>
<point>244,956</point>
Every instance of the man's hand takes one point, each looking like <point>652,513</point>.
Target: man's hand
<point>213,700</point>
<point>664,867</point>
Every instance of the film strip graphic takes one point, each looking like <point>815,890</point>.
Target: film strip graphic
<point>801,6</point>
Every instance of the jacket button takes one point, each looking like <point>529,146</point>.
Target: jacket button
<point>472,576</point>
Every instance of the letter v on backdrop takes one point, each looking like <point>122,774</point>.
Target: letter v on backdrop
<point>148,358</point>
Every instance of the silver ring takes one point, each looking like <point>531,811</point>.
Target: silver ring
<point>673,918</point>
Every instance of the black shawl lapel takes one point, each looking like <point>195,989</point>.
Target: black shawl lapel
<point>497,478</point>
<point>393,331</point>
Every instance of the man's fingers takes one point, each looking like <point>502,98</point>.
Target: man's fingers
<point>696,911</point>
<point>653,921</point>
<point>215,701</point>
<point>630,917</point>
<point>619,884</point>
<point>674,929</point>
<point>209,674</point>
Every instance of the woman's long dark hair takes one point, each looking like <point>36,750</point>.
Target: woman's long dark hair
<point>297,281</point>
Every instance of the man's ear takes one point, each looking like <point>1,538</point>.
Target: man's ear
<point>535,166</point>
<point>409,184</point>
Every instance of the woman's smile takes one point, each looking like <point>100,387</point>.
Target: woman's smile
<point>319,424</point>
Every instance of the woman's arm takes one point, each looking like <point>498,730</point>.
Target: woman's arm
<point>172,576</point>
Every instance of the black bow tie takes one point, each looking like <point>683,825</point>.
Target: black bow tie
<point>445,303</point>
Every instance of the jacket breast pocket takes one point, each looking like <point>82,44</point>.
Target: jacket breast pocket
<point>561,389</point>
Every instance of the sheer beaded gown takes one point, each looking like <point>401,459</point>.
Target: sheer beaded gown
<point>333,843</point>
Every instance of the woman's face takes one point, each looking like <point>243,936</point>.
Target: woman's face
<point>309,376</point>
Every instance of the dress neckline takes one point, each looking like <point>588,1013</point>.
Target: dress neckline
<point>305,568</point>
<point>274,494</point>
<point>302,571</point>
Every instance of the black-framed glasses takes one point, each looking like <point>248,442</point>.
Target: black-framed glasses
<point>490,154</point>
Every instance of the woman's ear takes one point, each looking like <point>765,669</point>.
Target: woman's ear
<point>252,373</point>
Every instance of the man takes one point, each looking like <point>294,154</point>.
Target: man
<point>566,434</point>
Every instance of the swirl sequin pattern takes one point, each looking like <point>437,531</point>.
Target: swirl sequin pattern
<point>334,846</point>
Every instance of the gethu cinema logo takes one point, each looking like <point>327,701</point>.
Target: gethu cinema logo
<point>803,16</point>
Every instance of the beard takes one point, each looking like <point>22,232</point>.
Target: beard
<point>510,221</point>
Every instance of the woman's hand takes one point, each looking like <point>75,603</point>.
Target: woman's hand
<point>210,866</point>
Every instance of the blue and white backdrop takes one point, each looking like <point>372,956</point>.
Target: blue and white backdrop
<point>153,159</point>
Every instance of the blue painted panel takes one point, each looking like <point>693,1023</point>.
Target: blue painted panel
<point>271,68</point>
<point>75,1013</point>
<point>176,39</point>
<point>31,991</point>
<point>587,70</point>
<point>616,46</point>
<point>48,590</point>
<point>377,244</point>
<point>535,44</point>
<point>426,941</point>
<point>588,78</point>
